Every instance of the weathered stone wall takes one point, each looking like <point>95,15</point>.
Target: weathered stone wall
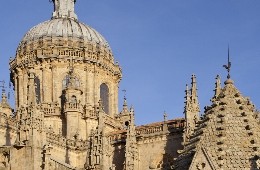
<point>22,158</point>
<point>7,130</point>
<point>158,150</point>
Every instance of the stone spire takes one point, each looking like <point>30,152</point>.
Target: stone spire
<point>191,109</point>
<point>187,96</point>
<point>125,106</point>
<point>4,102</point>
<point>4,105</point>
<point>95,157</point>
<point>64,9</point>
<point>194,96</point>
<point>125,109</point>
<point>131,151</point>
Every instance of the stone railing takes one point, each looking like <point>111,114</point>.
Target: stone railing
<point>167,126</point>
<point>69,52</point>
<point>55,48</point>
<point>55,164</point>
<point>74,107</point>
<point>77,144</point>
<point>56,139</point>
<point>150,130</point>
<point>176,124</point>
<point>92,114</point>
<point>119,136</point>
<point>60,141</point>
<point>50,109</point>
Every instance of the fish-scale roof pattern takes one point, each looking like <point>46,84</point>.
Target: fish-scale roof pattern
<point>229,131</point>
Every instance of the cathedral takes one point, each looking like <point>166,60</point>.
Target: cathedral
<point>66,112</point>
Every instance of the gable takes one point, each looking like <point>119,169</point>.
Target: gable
<point>202,160</point>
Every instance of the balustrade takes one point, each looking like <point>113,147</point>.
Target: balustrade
<point>50,109</point>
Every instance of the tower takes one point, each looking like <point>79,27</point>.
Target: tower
<point>61,70</point>
<point>45,55</point>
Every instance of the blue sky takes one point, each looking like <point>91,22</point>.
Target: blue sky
<point>159,44</point>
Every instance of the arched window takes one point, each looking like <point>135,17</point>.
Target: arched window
<point>104,96</point>
<point>37,89</point>
<point>71,81</point>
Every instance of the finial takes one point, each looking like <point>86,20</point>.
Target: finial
<point>194,96</point>
<point>124,94</point>
<point>218,86</point>
<point>64,9</point>
<point>187,97</point>
<point>132,108</point>
<point>125,102</point>
<point>125,107</point>
<point>193,78</point>
<point>165,116</point>
<point>228,66</point>
<point>2,86</point>
<point>193,87</point>
<point>187,92</point>
<point>4,97</point>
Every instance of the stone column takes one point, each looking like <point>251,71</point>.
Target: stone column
<point>16,91</point>
<point>20,88</point>
<point>87,84</point>
<point>31,90</point>
<point>115,100</point>
<point>25,88</point>
<point>54,86</point>
<point>96,87</point>
<point>111,99</point>
<point>44,84</point>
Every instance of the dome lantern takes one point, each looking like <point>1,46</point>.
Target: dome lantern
<point>64,9</point>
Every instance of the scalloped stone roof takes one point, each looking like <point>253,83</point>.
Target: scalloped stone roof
<point>227,137</point>
<point>65,27</point>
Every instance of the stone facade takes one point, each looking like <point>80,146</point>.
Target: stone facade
<point>66,112</point>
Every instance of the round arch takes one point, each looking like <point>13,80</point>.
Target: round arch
<point>104,96</point>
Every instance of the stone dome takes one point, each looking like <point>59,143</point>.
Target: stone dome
<point>65,28</point>
<point>63,36</point>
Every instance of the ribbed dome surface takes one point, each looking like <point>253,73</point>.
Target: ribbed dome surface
<point>65,28</point>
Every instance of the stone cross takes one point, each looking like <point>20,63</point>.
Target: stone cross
<point>64,9</point>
